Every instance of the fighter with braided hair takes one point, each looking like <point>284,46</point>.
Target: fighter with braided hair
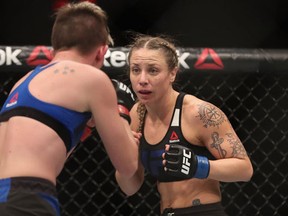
<point>186,143</point>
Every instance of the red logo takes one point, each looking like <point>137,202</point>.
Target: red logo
<point>174,136</point>
<point>209,59</point>
<point>40,55</point>
<point>14,98</point>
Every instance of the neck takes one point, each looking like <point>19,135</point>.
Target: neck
<point>164,106</point>
<point>72,55</point>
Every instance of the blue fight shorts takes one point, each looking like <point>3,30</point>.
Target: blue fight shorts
<point>23,196</point>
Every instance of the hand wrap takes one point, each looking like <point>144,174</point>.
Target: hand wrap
<point>183,163</point>
<point>125,99</point>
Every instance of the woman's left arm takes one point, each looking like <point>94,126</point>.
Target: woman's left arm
<point>217,134</point>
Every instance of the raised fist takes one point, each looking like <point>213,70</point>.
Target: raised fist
<point>125,99</point>
<point>182,162</point>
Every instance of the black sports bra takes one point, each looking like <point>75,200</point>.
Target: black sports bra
<point>151,155</point>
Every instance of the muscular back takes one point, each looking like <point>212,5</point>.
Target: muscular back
<point>29,147</point>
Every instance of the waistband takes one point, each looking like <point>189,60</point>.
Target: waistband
<point>28,184</point>
<point>212,208</point>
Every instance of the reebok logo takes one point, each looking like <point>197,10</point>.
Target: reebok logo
<point>209,59</point>
<point>13,100</point>
<point>39,55</point>
<point>174,137</point>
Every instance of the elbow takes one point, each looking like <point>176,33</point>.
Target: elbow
<point>132,188</point>
<point>251,172</point>
<point>129,186</point>
<point>248,173</point>
<point>129,193</point>
<point>130,170</point>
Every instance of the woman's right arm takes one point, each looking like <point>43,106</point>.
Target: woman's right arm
<point>131,185</point>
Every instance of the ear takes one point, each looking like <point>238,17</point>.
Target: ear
<point>173,74</point>
<point>101,51</point>
<point>53,53</point>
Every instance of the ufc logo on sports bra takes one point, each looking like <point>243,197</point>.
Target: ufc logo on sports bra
<point>186,164</point>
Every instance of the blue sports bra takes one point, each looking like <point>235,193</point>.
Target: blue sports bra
<point>67,123</point>
<point>151,155</point>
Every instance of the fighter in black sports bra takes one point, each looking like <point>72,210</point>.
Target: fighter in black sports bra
<point>68,124</point>
<point>151,155</point>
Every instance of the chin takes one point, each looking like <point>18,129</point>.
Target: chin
<point>141,100</point>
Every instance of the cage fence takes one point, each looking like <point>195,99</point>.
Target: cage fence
<point>256,102</point>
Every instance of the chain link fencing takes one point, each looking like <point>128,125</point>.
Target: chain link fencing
<point>257,105</point>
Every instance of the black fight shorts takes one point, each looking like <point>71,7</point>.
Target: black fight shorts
<point>28,196</point>
<point>215,209</point>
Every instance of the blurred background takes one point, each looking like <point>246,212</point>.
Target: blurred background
<point>193,23</point>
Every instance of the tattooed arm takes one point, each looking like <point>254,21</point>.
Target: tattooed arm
<point>219,137</point>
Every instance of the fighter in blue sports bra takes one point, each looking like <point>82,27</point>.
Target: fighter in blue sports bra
<point>49,107</point>
<point>68,124</point>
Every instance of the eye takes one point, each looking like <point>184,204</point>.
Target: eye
<point>153,71</point>
<point>135,70</point>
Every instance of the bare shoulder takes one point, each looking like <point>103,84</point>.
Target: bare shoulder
<point>206,113</point>
<point>91,76</point>
<point>91,83</point>
<point>76,68</point>
<point>191,105</point>
<point>98,81</point>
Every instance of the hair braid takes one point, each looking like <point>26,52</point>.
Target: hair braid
<point>141,110</point>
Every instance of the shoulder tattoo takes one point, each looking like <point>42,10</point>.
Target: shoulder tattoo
<point>210,115</point>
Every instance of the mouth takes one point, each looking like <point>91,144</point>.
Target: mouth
<point>144,92</point>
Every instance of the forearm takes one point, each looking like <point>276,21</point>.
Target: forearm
<point>130,185</point>
<point>119,144</point>
<point>230,170</point>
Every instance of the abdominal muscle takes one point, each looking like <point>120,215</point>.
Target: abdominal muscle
<point>182,194</point>
<point>30,148</point>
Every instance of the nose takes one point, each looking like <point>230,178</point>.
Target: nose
<point>143,79</point>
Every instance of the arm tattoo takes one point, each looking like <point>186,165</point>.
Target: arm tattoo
<point>238,149</point>
<point>217,141</point>
<point>210,115</point>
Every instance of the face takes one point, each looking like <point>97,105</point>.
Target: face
<point>149,75</point>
